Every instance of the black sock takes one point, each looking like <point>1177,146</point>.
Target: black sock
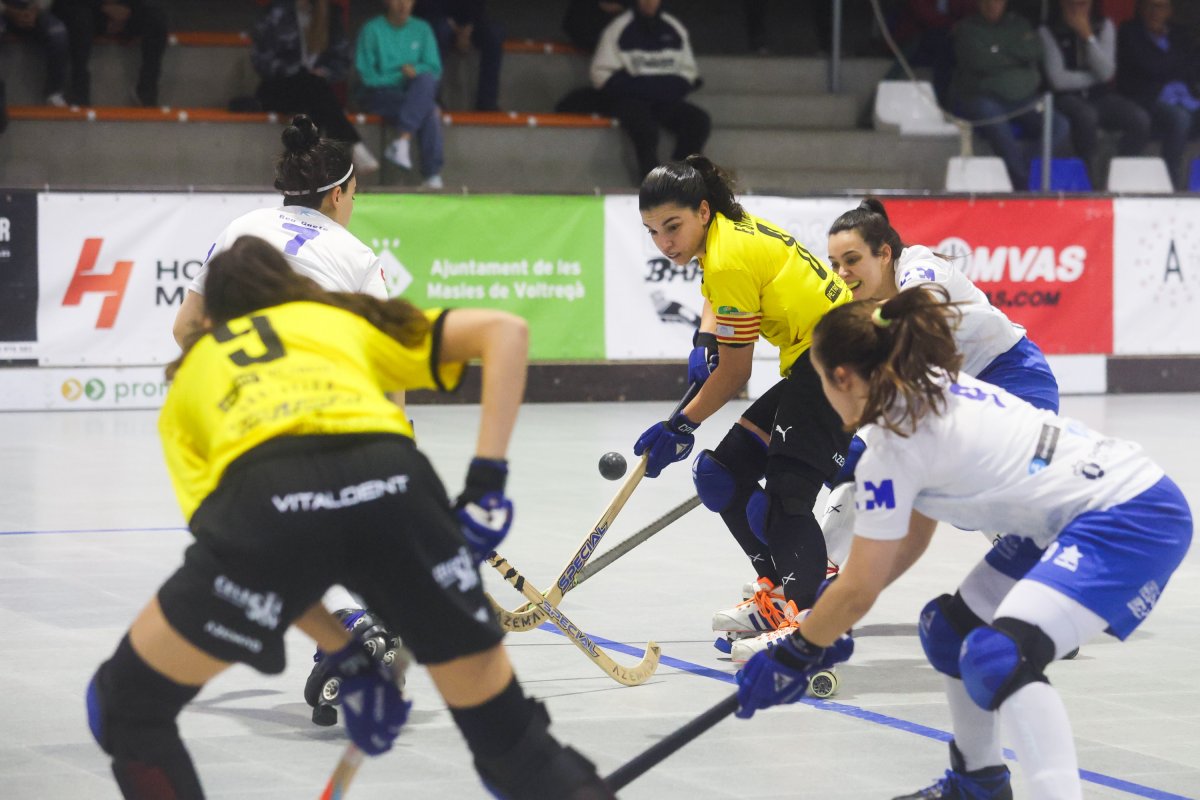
<point>492,728</point>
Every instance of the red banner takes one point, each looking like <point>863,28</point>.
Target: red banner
<point>1047,264</point>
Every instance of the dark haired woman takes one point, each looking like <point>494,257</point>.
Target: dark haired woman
<point>1103,530</point>
<point>1080,59</point>
<point>295,472</point>
<point>758,280</point>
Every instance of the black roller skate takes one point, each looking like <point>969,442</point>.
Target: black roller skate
<point>322,692</point>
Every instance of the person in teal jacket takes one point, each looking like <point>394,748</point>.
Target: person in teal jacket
<point>400,70</point>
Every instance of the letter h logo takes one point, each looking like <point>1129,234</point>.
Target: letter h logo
<point>85,281</point>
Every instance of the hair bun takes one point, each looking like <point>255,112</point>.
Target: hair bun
<point>874,205</point>
<point>301,135</point>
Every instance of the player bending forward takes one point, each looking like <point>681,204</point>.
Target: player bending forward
<point>278,401</point>
<point>1102,530</point>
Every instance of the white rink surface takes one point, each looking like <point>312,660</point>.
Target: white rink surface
<point>89,529</point>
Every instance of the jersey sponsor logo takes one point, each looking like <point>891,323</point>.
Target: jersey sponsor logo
<point>1017,264</point>
<point>1089,470</point>
<point>833,291</point>
<point>459,570</point>
<point>882,496</point>
<point>219,631</point>
<point>87,281</point>
<point>1066,557</point>
<point>923,274</point>
<point>1143,603</point>
<point>346,496</point>
<point>728,310</point>
<point>262,608</point>
<point>783,432</point>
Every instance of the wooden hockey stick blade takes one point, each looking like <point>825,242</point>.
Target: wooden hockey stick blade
<point>636,539</point>
<point>343,773</point>
<point>630,676</point>
<point>530,615</point>
<point>654,755</point>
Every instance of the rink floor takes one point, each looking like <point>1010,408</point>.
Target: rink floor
<point>89,529</point>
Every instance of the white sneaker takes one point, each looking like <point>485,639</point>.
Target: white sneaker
<point>399,152</point>
<point>762,610</point>
<point>364,162</point>
<point>433,182</point>
<point>57,100</point>
<point>743,649</point>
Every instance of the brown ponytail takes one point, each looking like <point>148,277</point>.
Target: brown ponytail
<point>252,275</point>
<point>901,347</point>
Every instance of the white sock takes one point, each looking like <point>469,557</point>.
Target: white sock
<point>1035,718</point>
<point>976,732</point>
<point>338,597</point>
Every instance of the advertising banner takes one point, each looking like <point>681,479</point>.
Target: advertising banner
<point>81,388</point>
<point>18,275</point>
<point>113,270</point>
<point>653,306</point>
<point>1047,264</point>
<point>539,257</point>
<point>1156,284</point>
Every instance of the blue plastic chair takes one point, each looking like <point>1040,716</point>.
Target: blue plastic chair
<point>1066,175</point>
<point>1194,176</point>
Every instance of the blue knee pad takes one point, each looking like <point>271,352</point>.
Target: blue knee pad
<point>756,514</point>
<point>939,637</point>
<point>94,714</point>
<point>998,659</point>
<point>715,484</point>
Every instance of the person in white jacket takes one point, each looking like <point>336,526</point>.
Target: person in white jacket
<point>645,69</point>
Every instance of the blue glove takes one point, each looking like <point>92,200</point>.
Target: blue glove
<point>372,704</point>
<point>665,443</point>
<point>484,513</point>
<point>780,675</point>
<point>703,358</point>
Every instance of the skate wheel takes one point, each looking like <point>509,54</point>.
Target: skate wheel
<point>823,684</point>
<point>724,645</point>
<point>376,645</point>
<point>1071,654</point>
<point>324,715</point>
<point>330,690</point>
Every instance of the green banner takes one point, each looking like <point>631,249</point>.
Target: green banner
<point>539,257</point>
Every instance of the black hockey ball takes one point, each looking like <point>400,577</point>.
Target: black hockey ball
<point>612,465</point>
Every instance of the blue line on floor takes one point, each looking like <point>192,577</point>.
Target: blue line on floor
<point>871,716</point>
<point>94,530</point>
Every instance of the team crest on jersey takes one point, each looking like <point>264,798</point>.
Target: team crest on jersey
<point>882,496</point>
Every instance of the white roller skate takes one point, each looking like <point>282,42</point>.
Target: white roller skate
<point>761,610</point>
<point>821,684</point>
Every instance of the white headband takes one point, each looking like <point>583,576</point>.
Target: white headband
<point>338,182</point>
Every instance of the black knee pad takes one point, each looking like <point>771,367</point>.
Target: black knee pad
<point>538,767</point>
<point>132,711</point>
<point>793,484</point>
<point>1000,658</point>
<point>743,454</point>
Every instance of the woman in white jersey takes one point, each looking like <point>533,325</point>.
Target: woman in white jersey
<point>1102,529</point>
<point>316,178</point>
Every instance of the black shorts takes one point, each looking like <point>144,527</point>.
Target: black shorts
<point>802,424</point>
<point>298,514</point>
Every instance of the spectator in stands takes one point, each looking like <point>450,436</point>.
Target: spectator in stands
<point>1080,44</point>
<point>585,20</point>
<point>121,18</point>
<point>922,30</point>
<point>300,49</point>
<point>645,68</point>
<point>400,69</point>
<point>460,25</point>
<point>1160,69</point>
<point>997,56</point>
<point>31,19</point>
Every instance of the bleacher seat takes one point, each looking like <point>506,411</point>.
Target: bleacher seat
<point>1139,174</point>
<point>1066,175</point>
<point>977,174</point>
<point>1194,176</point>
<point>911,107</point>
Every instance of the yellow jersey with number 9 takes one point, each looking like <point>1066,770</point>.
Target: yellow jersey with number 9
<point>296,369</point>
<point>760,281</point>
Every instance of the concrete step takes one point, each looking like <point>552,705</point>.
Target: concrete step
<point>818,181</point>
<point>800,111</point>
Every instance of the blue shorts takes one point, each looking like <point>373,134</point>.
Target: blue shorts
<point>1115,563</point>
<point>1022,371</point>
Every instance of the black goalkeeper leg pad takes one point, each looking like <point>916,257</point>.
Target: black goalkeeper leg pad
<point>132,711</point>
<point>537,767</point>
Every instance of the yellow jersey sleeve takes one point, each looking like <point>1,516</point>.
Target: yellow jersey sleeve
<point>292,370</point>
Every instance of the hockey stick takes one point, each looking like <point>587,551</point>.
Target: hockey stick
<point>652,756</point>
<point>633,541</point>
<point>529,616</point>
<point>630,676</point>
<point>343,773</point>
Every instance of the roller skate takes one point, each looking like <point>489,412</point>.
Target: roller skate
<point>820,684</point>
<point>322,692</point>
<point>989,783</point>
<point>760,611</point>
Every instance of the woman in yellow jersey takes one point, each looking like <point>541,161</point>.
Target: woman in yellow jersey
<point>295,472</point>
<point>757,281</point>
